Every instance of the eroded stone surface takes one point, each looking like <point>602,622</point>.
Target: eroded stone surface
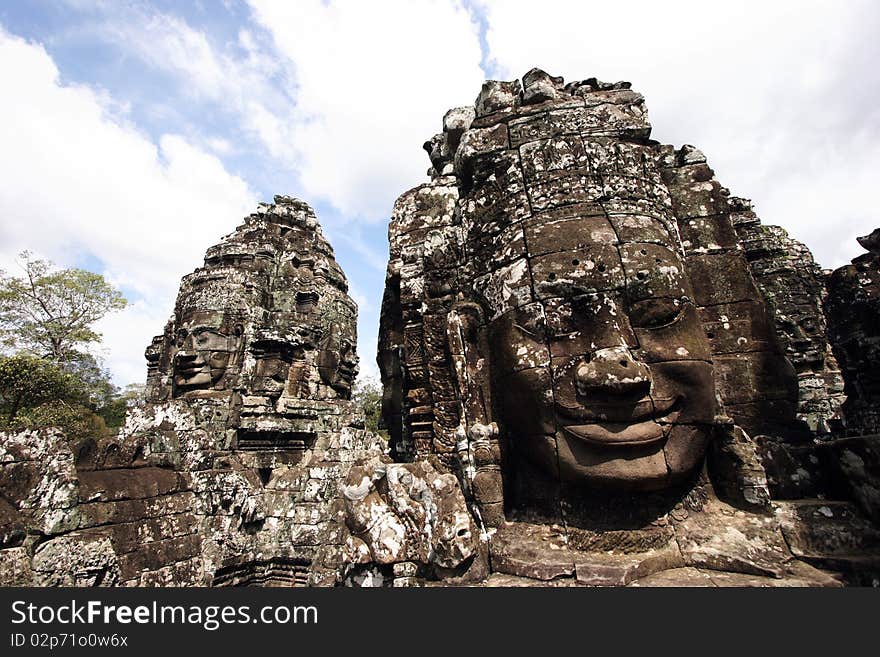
<point>411,521</point>
<point>853,309</point>
<point>856,461</point>
<point>794,287</point>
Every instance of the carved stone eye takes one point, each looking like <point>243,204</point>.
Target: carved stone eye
<point>655,313</point>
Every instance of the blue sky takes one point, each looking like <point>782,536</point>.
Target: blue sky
<point>133,135</point>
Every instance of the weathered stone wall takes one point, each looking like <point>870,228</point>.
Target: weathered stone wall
<point>268,510</point>
<point>422,279</point>
<point>756,383</point>
<point>853,310</point>
<point>107,517</point>
<point>793,286</point>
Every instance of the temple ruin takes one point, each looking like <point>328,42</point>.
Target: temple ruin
<point>599,368</point>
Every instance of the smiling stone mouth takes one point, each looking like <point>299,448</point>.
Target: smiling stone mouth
<point>646,429</point>
<point>190,370</point>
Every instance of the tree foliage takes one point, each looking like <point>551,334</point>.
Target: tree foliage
<point>27,381</point>
<point>51,312</point>
<point>48,316</point>
<point>36,393</point>
<point>114,408</point>
<point>368,396</point>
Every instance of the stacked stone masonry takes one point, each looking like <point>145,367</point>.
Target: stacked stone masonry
<point>793,286</point>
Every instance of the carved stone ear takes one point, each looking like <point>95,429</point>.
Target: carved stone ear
<point>470,318</point>
<point>478,449</point>
<point>466,336</point>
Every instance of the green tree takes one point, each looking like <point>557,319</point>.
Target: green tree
<point>27,382</point>
<point>368,396</point>
<point>36,393</point>
<point>113,410</point>
<point>51,312</point>
<point>48,315</point>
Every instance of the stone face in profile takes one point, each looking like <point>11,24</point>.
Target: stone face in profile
<point>337,362</point>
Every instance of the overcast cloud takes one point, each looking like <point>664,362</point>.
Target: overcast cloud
<point>133,135</point>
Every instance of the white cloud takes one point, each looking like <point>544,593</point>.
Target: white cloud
<point>240,78</point>
<point>372,83</point>
<point>368,334</point>
<point>338,95</point>
<point>220,146</point>
<point>79,182</point>
<point>781,96</point>
<point>341,94</point>
<point>126,336</point>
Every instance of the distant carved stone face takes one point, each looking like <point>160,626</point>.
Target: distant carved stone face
<point>337,361</point>
<point>272,366</point>
<point>203,349</point>
<point>606,379</point>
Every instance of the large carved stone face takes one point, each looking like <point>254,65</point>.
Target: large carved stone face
<point>203,350</point>
<point>605,380</point>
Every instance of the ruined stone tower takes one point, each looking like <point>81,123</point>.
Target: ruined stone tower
<point>229,474</point>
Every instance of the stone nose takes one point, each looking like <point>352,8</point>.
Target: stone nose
<point>612,371</point>
<point>186,357</point>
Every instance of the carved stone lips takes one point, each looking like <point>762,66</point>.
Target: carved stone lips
<point>188,370</point>
<point>641,430</point>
